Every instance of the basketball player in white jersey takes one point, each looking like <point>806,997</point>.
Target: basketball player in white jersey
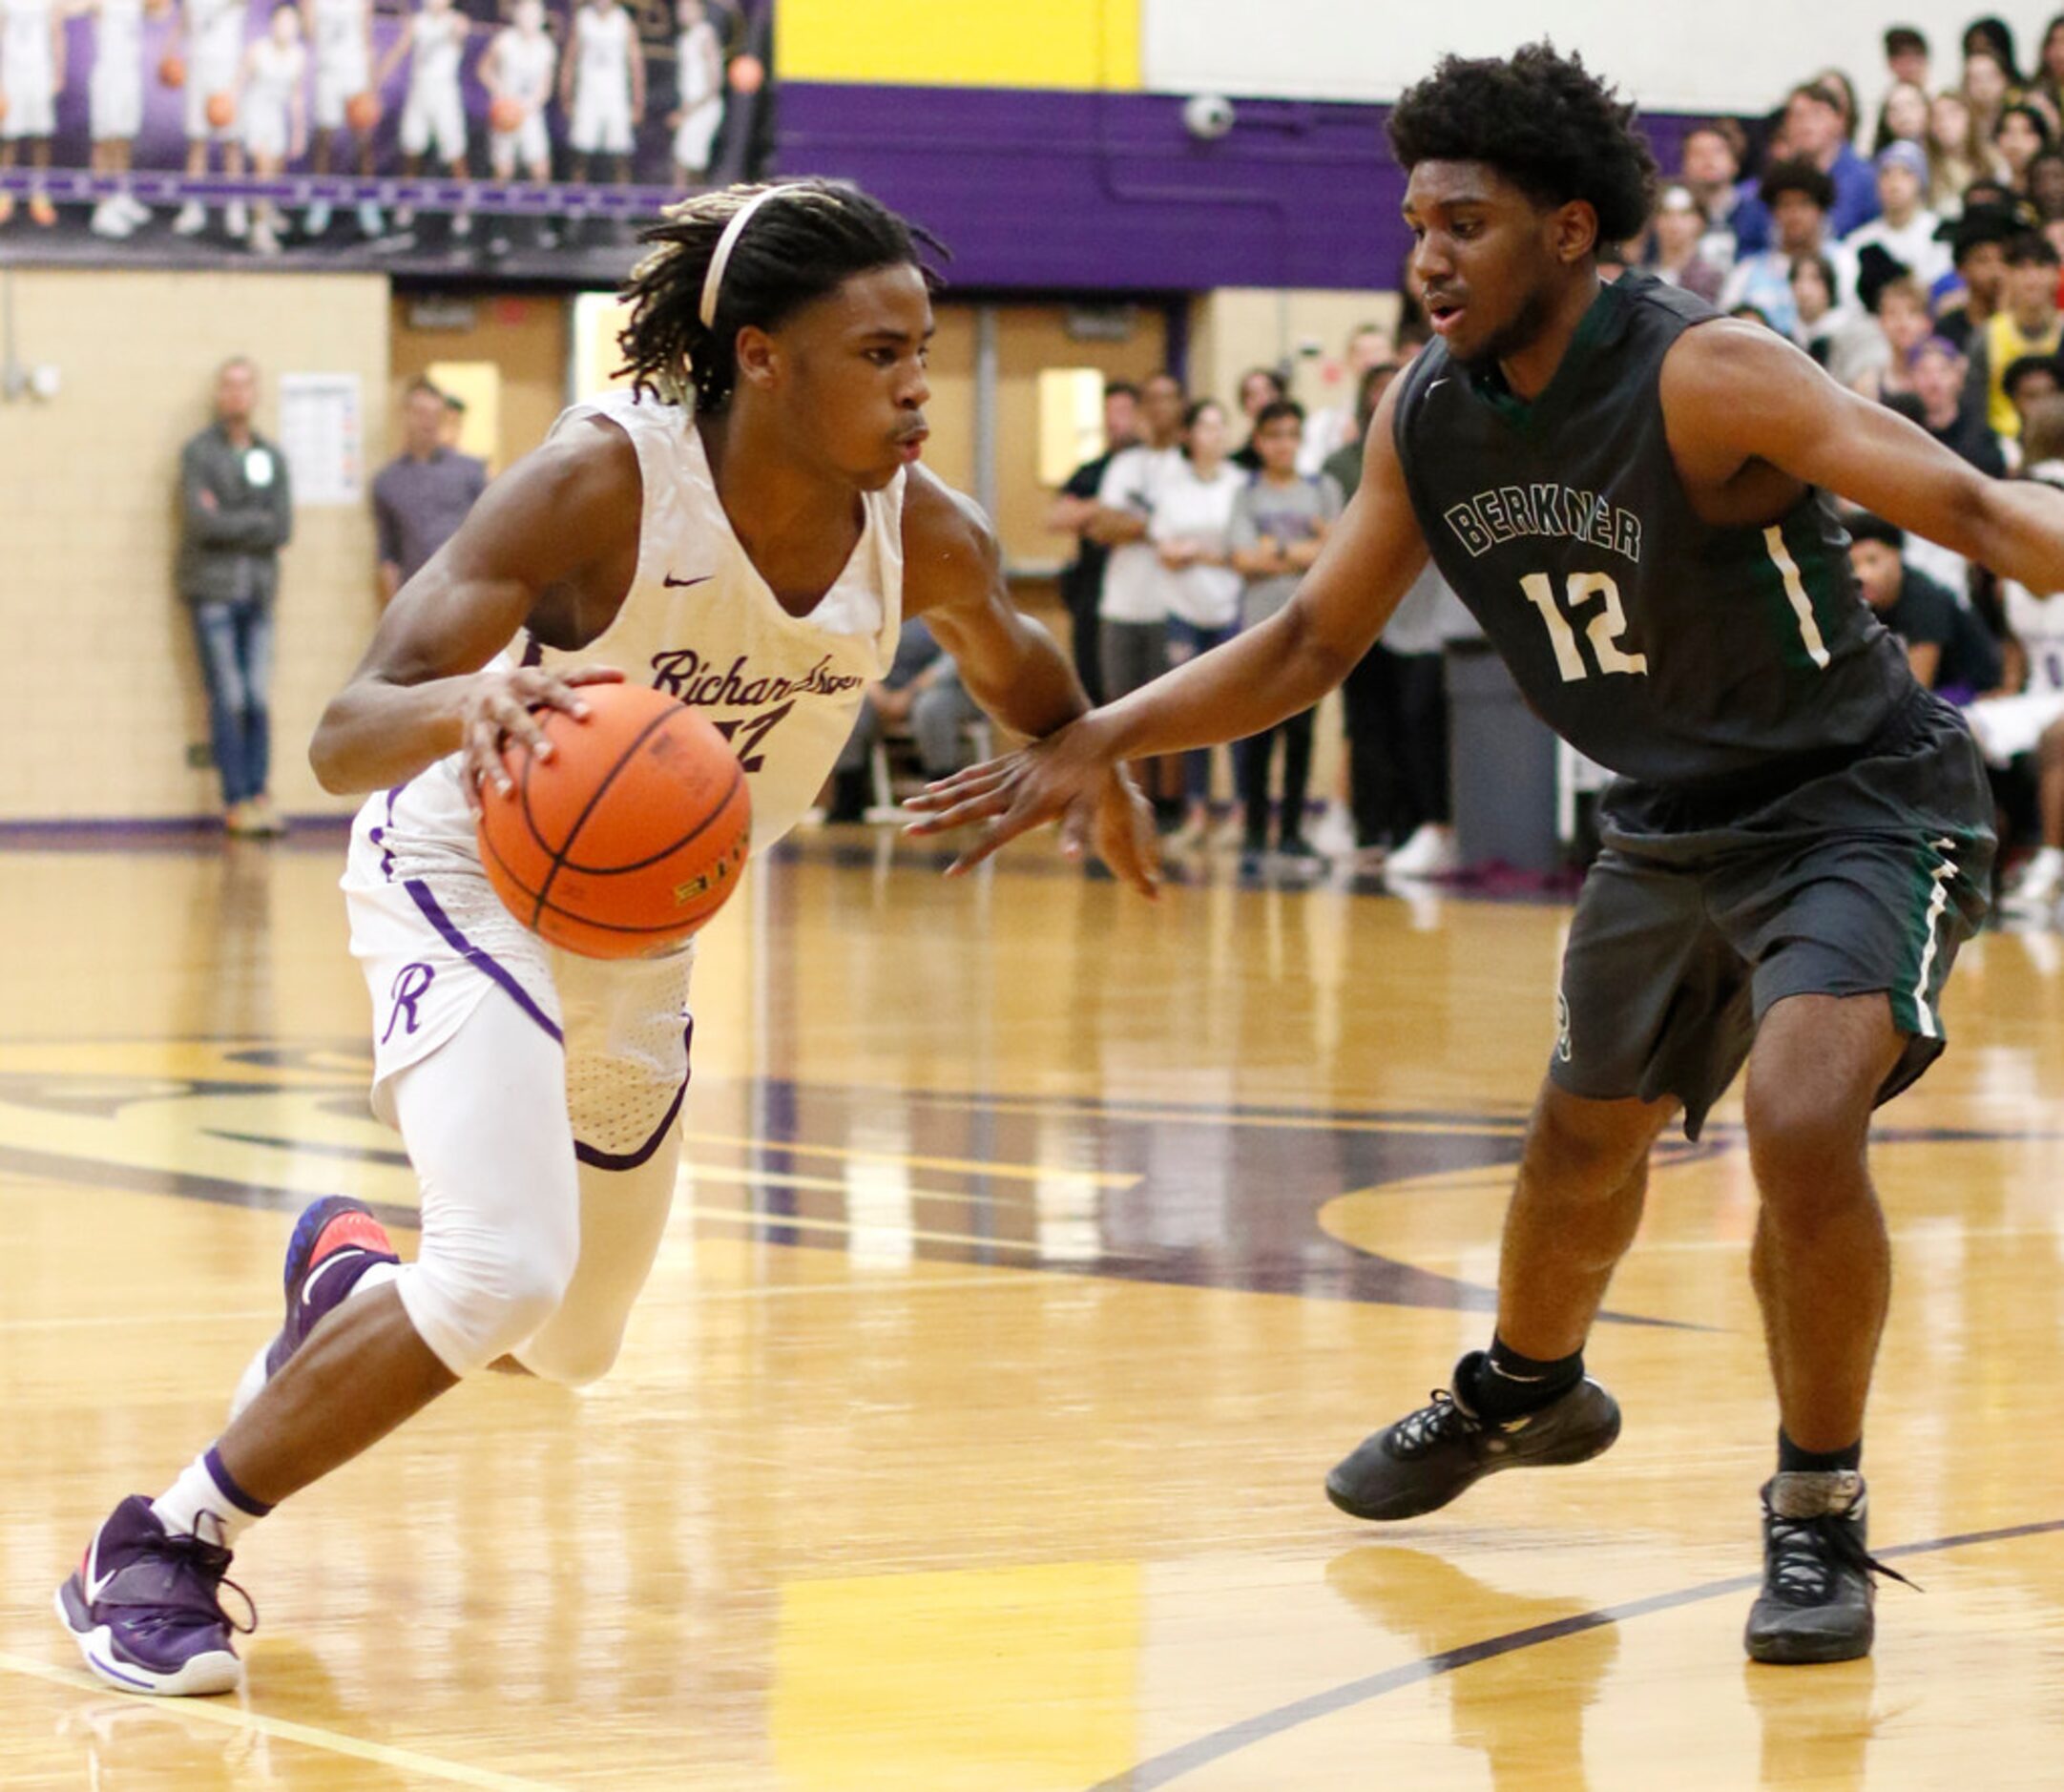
<point>602,86</point>
<point>700,69</point>
<point>31,77</point>
<point>115,110</point>
<point>778,347</point>
<point>2032,723</point>
<point>273,107</point>
<point>516,69</point>
<point>341,35</point>
<point>214,31</point>
<point>434,113</point>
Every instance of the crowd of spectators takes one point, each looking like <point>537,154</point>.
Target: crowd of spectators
<point>1183,539</point>
<point>1914,252</point>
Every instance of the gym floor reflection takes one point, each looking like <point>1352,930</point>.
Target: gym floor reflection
<point>1036,1252</point>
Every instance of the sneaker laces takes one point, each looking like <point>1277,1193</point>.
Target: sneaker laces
<point>199,1560</point>
<point>1443,1420</point>
<point>1806,1554</point>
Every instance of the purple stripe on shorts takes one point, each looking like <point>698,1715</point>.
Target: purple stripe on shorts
<point>379,834</point>
<point>632,1160</point>
<point>480,961</point>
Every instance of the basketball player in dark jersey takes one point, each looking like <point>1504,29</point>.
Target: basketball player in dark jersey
<point>1625,488</point>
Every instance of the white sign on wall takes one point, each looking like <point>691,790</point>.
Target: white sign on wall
<point>1672,57</point>
<point>323,434</point>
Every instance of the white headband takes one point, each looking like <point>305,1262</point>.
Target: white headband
<point>714,280</point>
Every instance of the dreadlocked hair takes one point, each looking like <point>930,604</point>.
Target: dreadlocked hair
<point>797,247</point>
<point>1544,122</point>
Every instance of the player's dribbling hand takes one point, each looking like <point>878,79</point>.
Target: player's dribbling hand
<point>1066,778</point>
<point>496,712</point>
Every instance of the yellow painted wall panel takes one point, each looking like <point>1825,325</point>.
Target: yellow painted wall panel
<point>1082,44</point>
<point>91,482</point>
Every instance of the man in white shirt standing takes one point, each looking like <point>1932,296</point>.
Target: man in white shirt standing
<point>1133,614</point>
<point>1332,429</point>
<point>1905,230</point>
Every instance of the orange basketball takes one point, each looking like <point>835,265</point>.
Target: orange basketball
<point>748,74</point>
<point>361,112</point>
<point>172,70</point>
<point>506,115</point>
<point>630,837</point>
<point>221,111</point>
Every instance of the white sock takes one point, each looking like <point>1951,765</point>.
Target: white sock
<point>200,1493</point>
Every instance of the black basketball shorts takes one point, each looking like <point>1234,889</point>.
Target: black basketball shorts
<point>1696,918</point>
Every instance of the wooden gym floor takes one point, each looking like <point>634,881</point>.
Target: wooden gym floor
<point>1037,1253</point>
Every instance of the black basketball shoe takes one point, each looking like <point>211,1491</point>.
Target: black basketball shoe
<point>1816,1600</point>
<point>1422,1460</point>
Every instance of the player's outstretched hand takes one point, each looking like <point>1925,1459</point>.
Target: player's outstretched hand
<point>496,712</point>
<point>1068,777</point>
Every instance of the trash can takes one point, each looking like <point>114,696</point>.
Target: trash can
<point>1501,766</point>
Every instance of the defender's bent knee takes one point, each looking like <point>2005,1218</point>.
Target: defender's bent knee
<point>1588,1150</point>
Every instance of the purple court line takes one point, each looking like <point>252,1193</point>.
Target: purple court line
<point>1166,1768</point>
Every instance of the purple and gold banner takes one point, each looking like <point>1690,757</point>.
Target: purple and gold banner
<point>510,135</point>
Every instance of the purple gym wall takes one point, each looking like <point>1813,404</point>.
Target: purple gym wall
<point>1090,191</point>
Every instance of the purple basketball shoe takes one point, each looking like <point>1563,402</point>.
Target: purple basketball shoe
<point>144,1608</point>
<point>336,1240</point>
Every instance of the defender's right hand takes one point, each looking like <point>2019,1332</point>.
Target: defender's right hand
<point>496,712</point>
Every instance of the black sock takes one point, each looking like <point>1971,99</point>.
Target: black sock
<point>1509,1383</point>
<point>1792,1460</point>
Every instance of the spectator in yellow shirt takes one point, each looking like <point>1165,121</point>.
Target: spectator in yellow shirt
<point>2026,323</point>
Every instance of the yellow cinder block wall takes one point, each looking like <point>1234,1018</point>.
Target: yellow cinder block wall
<point>107,694</point>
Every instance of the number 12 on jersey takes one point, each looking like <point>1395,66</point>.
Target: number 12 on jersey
<point>1604,629</point>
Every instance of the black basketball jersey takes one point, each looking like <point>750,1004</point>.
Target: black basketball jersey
<point>1670,650</point>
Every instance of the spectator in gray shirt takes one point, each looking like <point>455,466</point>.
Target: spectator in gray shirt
<point>237,512</point>
<point>1280,522</point>
<point>423,494</point>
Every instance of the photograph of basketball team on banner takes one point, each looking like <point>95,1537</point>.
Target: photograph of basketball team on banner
<point>522,134</point>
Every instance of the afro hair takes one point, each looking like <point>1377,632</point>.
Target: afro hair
<point>1544,122</point>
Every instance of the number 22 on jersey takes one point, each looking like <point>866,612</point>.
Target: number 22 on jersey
<point>1603,631</point>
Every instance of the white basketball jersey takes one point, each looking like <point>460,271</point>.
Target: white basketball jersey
<point>694,51</point>
<point>28,34</point>
<point>605,46</point>
<point>276,72</point>
<point>340,25</point>
<point>2037,623</point>
<point>118,31</point>
<point>439,39</point>
<point>700,624</point>
<point>217,29</point>
<point>524,66</point>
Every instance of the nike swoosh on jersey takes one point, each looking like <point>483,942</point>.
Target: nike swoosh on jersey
<point>675,584</point>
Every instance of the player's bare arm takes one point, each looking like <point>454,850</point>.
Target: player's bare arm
<point>1259,678</point>
<point>953,579</point>
<point>1736,456</point>
<point>552,544</point>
